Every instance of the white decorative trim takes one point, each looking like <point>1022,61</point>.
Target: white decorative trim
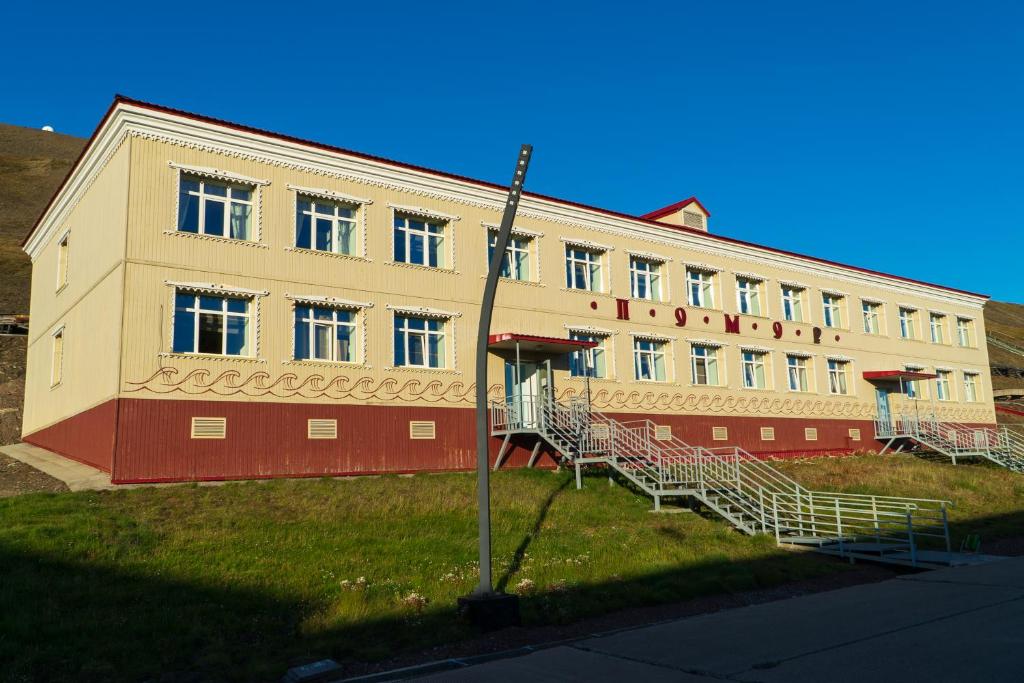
<point>424,213</point>
<point>216,238</point>
<point>649,256</point>
<point>799,354</point>
<point>324,193</point>
<point>702,267</point>
<point>913,367</point>
<point>755,349</point>
<point>588,329</point>
<point>516,230</point>
<point>909,307</point>
<point>653,336</point>
<point>834,292</point>
<point>945,368</point>
<point>217,174</point>
<point>794,284</point>
<point>750,276</point>
<point>424,312</point>
<point>328,301</point>
<point>701,341</point>
<point>970,371</point>
<point>936,311</point>
<point>839,357</point>
<point>213,288</point>
<point>329,254</point>
<point>872,300</point>
<point>585,244</point>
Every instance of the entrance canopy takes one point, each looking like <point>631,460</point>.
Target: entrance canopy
<point>896,375</point>
<point>529,342</point>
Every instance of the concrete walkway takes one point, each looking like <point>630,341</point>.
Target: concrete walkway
<point>75,475</point>
<point>960,624</point>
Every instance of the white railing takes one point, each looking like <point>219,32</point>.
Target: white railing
<point>1001,445</point>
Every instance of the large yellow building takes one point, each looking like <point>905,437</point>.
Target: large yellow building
<point>213,301</point>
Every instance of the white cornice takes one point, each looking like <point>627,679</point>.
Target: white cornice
<point>525,232</point>
<point>214,288</point>
<point>324,193</point>
<point>586,244</point>
<point>217,173</point>
<point>589,329</point>
<point>328,301</point>
<point>424,213</point>
<point>195,133</point>
<point>423,311</point>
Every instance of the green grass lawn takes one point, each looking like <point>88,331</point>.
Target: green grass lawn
<point>237,582</point>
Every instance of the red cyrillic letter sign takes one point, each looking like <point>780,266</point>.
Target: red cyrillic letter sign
<point>732,325</point>
<point>622,309</point>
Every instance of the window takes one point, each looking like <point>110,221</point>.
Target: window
<point>582,269</point>
<point>912,388</point>
<point>211,207</point>
<point>704,365</point>
<point>965,331</point>
<point>419,241</point>
<point>57,358</point>
<point>62,261</point>
<point>970,387</point>
<point>327,334</point>
<point>644,279</point>
<point>792,303</point>
<point>516,264</point>
<point>205,323</point>
<point>748,296</point>
<point>649,360</point>
<point>700,288</point>
<point>908,323</point>
<point>872,314</point>
<point>796,371</point>
<point>419,342</point>
<point>937,323</point>
<point>832,309</point>
<point>942,389</point>
<point>589,361</point>
<point>753,370</point>
<point>323,225</point>
<point>837,376</point>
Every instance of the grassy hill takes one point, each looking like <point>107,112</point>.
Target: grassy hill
<point>34,162</point>
<point>32,165</point>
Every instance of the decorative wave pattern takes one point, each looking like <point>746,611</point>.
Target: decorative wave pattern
<point>230,383</point>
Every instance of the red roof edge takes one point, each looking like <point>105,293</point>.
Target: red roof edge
<point>515,336</point>
<point>897,374</point>
<point>121,99</point>
<point>672,208</point>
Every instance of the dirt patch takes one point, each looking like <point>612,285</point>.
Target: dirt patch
<point>17,478</point>
<point>12,387</point>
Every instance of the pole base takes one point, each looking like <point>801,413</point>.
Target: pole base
<point>490,611</point>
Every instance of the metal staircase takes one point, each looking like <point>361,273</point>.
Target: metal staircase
<point>954,440</point>
<point>1004,343</point>
<point>747,492</point>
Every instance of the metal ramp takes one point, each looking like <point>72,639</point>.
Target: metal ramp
<point>750,494</point>
<point>1000,445</point>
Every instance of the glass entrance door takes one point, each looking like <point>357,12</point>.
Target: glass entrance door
<point>522,388</point>
<point>882,401</point>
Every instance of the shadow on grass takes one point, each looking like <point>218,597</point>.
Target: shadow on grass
<point>73,621</point>
<point>520,553</point>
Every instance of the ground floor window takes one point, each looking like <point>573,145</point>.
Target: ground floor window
<point>589,362</point>
<point>419,342</point>
<point>970,386</point>
<point>327,334</point>
<point>942,389</point>
<point>753,370</point>
<point>703,365</point>
<point>796,369</point>
<point>838,371</point>
<point>214,324</point>
<point>649,360</point>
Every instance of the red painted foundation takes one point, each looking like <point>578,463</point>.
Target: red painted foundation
<point>149,440</point>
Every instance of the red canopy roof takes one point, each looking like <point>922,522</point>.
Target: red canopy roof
<point>897,375</point>
<point>531,342</point>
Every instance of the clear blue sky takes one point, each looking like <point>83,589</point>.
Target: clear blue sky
<point>888,135</point>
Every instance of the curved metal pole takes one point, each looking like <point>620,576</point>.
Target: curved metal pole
<point>483,492</point>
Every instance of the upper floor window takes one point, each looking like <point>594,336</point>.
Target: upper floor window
<point>582,269</point>
<point>516,264</point>
<point>965,331</point>
<point>942,389</point>
<point>419,342</point>
<point>644,279</point>
<point>970,386</point>
<point>796,370</point>
<point>213,207</point>
<point>748,295</point>
<point>649,360</point>
<point>327,334</point>
<point>832,309</point>
<point>62,260</point>
<point>838,376</point>
<point>872,316</point>
<point>753,370</point>
<point>419,241</point>
<point>700,289</point>
<point>57,358</point>
<point>793,303</point>
<point>937,324</point>
<point>589,362</point>
<point>214,324</point>
<point>908,323</point>
<point>704,365</point>
<point>323,225</point>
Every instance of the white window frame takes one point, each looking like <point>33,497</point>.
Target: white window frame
<point>661,348</point>
<point>706,281</point>
<point>753,295</point>
<point>937,322</point>
<point>336,222</point>
<point>63,256</point>
<point>908,322</point>
<point>965,326</point>
<point>803,370</point>
<point>592,257</point>
<point>832,310</point>
<point>841,371</point>
<point>227,200</point>
<point>426,334</point>
<point>408,232</point>
<point>57,357</point>
<point>518,243</point>
<point>759,359</point>
<point>943,385</point>
<point>710,356</point>
<point>196,310</point>
<point>650,274</point>
<point>971,386</point>
<point>590,364</point>
<point>333,324</point>
<point>871,311</point>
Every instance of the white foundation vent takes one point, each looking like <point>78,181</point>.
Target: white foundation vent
<point>810,433</point>
<point>321,429</point>
<point>663,432</point>
<point>767,433</point>
<point>720,433</point>
<point>209,427</point>
<point>422,429</point>
<point>855,434</point>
